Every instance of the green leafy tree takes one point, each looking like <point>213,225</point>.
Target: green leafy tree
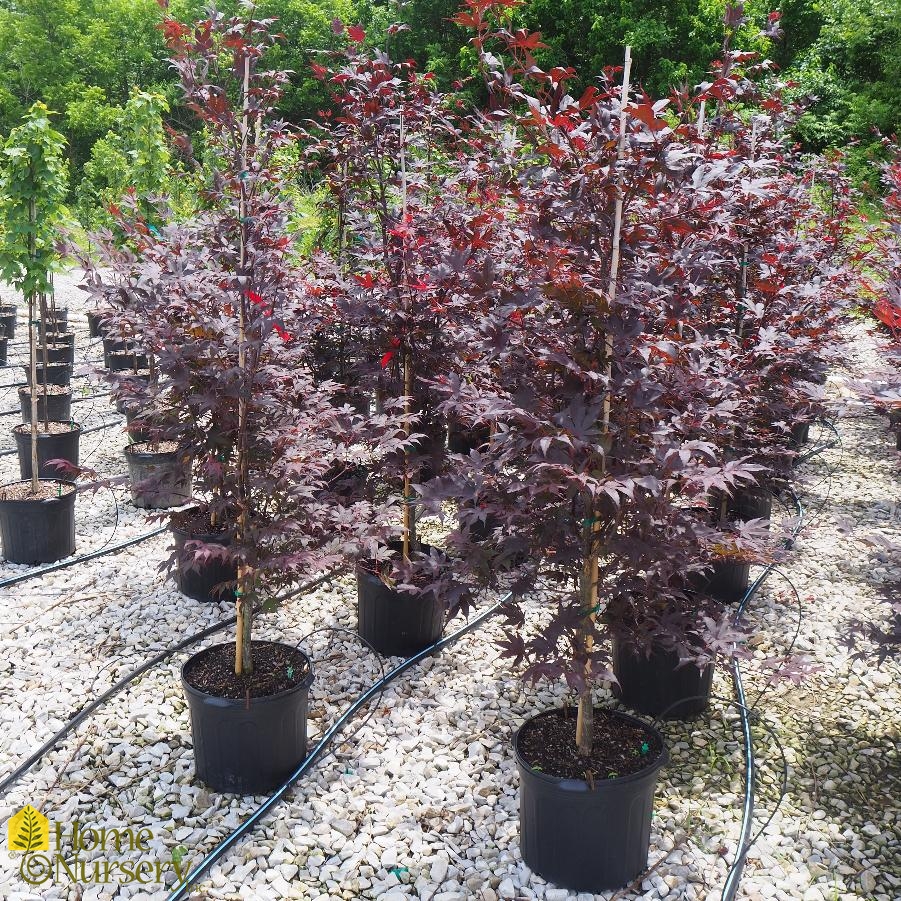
<point>33,185</point>
<point>134,155</point>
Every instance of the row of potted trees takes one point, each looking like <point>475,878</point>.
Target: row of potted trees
<point>587,331</point>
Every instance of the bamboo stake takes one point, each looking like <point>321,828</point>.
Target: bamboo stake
<point>741,288</point>
<point>43,338</point>
<point>243,637</point>
<point>409,523</point>
<point>589,577</point>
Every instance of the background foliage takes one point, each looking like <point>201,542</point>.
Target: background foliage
<point>83,58</point>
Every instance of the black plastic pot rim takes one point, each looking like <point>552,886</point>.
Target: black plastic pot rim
<point>218,701</point>
<point>25,390</point>
<point>25,429</point>
<point>205,537</point>
<point>373,577</point>
<point>42,500</point>
<point>658,763</point>
<point>147,456</point>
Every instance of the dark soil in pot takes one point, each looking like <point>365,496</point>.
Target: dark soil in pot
<point>201,579</point>
<point>8,321</point>
<point>56,441</point>
<point>160,475</point>
<point>54,374</point>
<point>396,623</point>
<point>59,403</point>
<point>37,528</point>
<point>654,683</point>
<point>250,733</point>
<point>585,822</point>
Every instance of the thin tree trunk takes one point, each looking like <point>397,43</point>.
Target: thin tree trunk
<point>33,365</point>
<point>32,354</point>
<point>589,579</point>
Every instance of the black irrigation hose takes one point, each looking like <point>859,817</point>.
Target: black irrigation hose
<point>83,713</point>
<point>76,363</point>
<point>75,400</point>
<point>82,558</point>
<point>746,842</point>
<point>324,742</point>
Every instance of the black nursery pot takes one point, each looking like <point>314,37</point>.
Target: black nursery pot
<point>58,407</point>
<point>894,418</point>
<point>59,317</point>
<point>56,374</point>
<point>61,446</point>
<point>8,321</point>
<point>247,746</point>
<point>60,336</point>
<point>750,503</point>
<point>461,440</point>
<point>200,581</point>
<point>120,361</point>
<point>58,353</point>
<point>117,345</point>
<point>727,582</point>
<point>95,322</point>
<point>655,684</point>
<point>4,345</point>
<point>800,434</point>
<point>159,479</point>
<point>396,623</point>
<point>39,530</point>
<point>581,838</point>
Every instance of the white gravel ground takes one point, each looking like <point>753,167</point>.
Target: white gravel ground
<point>422,801</point>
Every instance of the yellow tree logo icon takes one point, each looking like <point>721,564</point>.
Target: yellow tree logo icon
<point>28,830</point>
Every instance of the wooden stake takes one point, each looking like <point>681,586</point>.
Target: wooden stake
<point>43,338</point>
<point>589,578</point>
<point>409,522</point>
<point>243,597</point>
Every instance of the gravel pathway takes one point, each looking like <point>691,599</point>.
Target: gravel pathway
<point>421,800</point>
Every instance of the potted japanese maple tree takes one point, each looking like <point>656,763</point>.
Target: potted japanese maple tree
<point>387,159</point>
<point>587,479</point>
<point>220,304</point>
